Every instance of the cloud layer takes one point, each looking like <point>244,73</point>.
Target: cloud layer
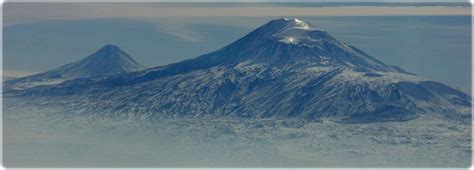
<point>17,13</point>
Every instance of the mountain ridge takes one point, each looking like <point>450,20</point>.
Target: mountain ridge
<point>276,52</point>
<point>312,77</point>
<point>107,60</point>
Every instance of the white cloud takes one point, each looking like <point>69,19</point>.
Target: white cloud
<point>15,73</point>
<point>17,13</point>
<point>179,30</point>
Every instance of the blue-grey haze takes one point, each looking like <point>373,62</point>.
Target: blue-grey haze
<point>436,47</point>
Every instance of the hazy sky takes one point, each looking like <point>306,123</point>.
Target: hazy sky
<point>419,37</point>
<point>15,13</point>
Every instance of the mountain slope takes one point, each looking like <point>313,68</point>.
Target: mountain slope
<point>108,60</point>
<point>284,69</point>
<point>270,45</point>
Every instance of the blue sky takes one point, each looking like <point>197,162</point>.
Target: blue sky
<point>429,40</point>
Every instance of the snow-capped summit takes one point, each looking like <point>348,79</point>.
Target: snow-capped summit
<point>285,41</point>
<point>286,68</point>
<point>108,60</point>
<point>285,24</point>
<point>294,31</point>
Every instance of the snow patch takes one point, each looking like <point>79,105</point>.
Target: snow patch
<point>38,83</point>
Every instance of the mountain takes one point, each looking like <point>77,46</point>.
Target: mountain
<point>285,69</point>
<point>108,60</point>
